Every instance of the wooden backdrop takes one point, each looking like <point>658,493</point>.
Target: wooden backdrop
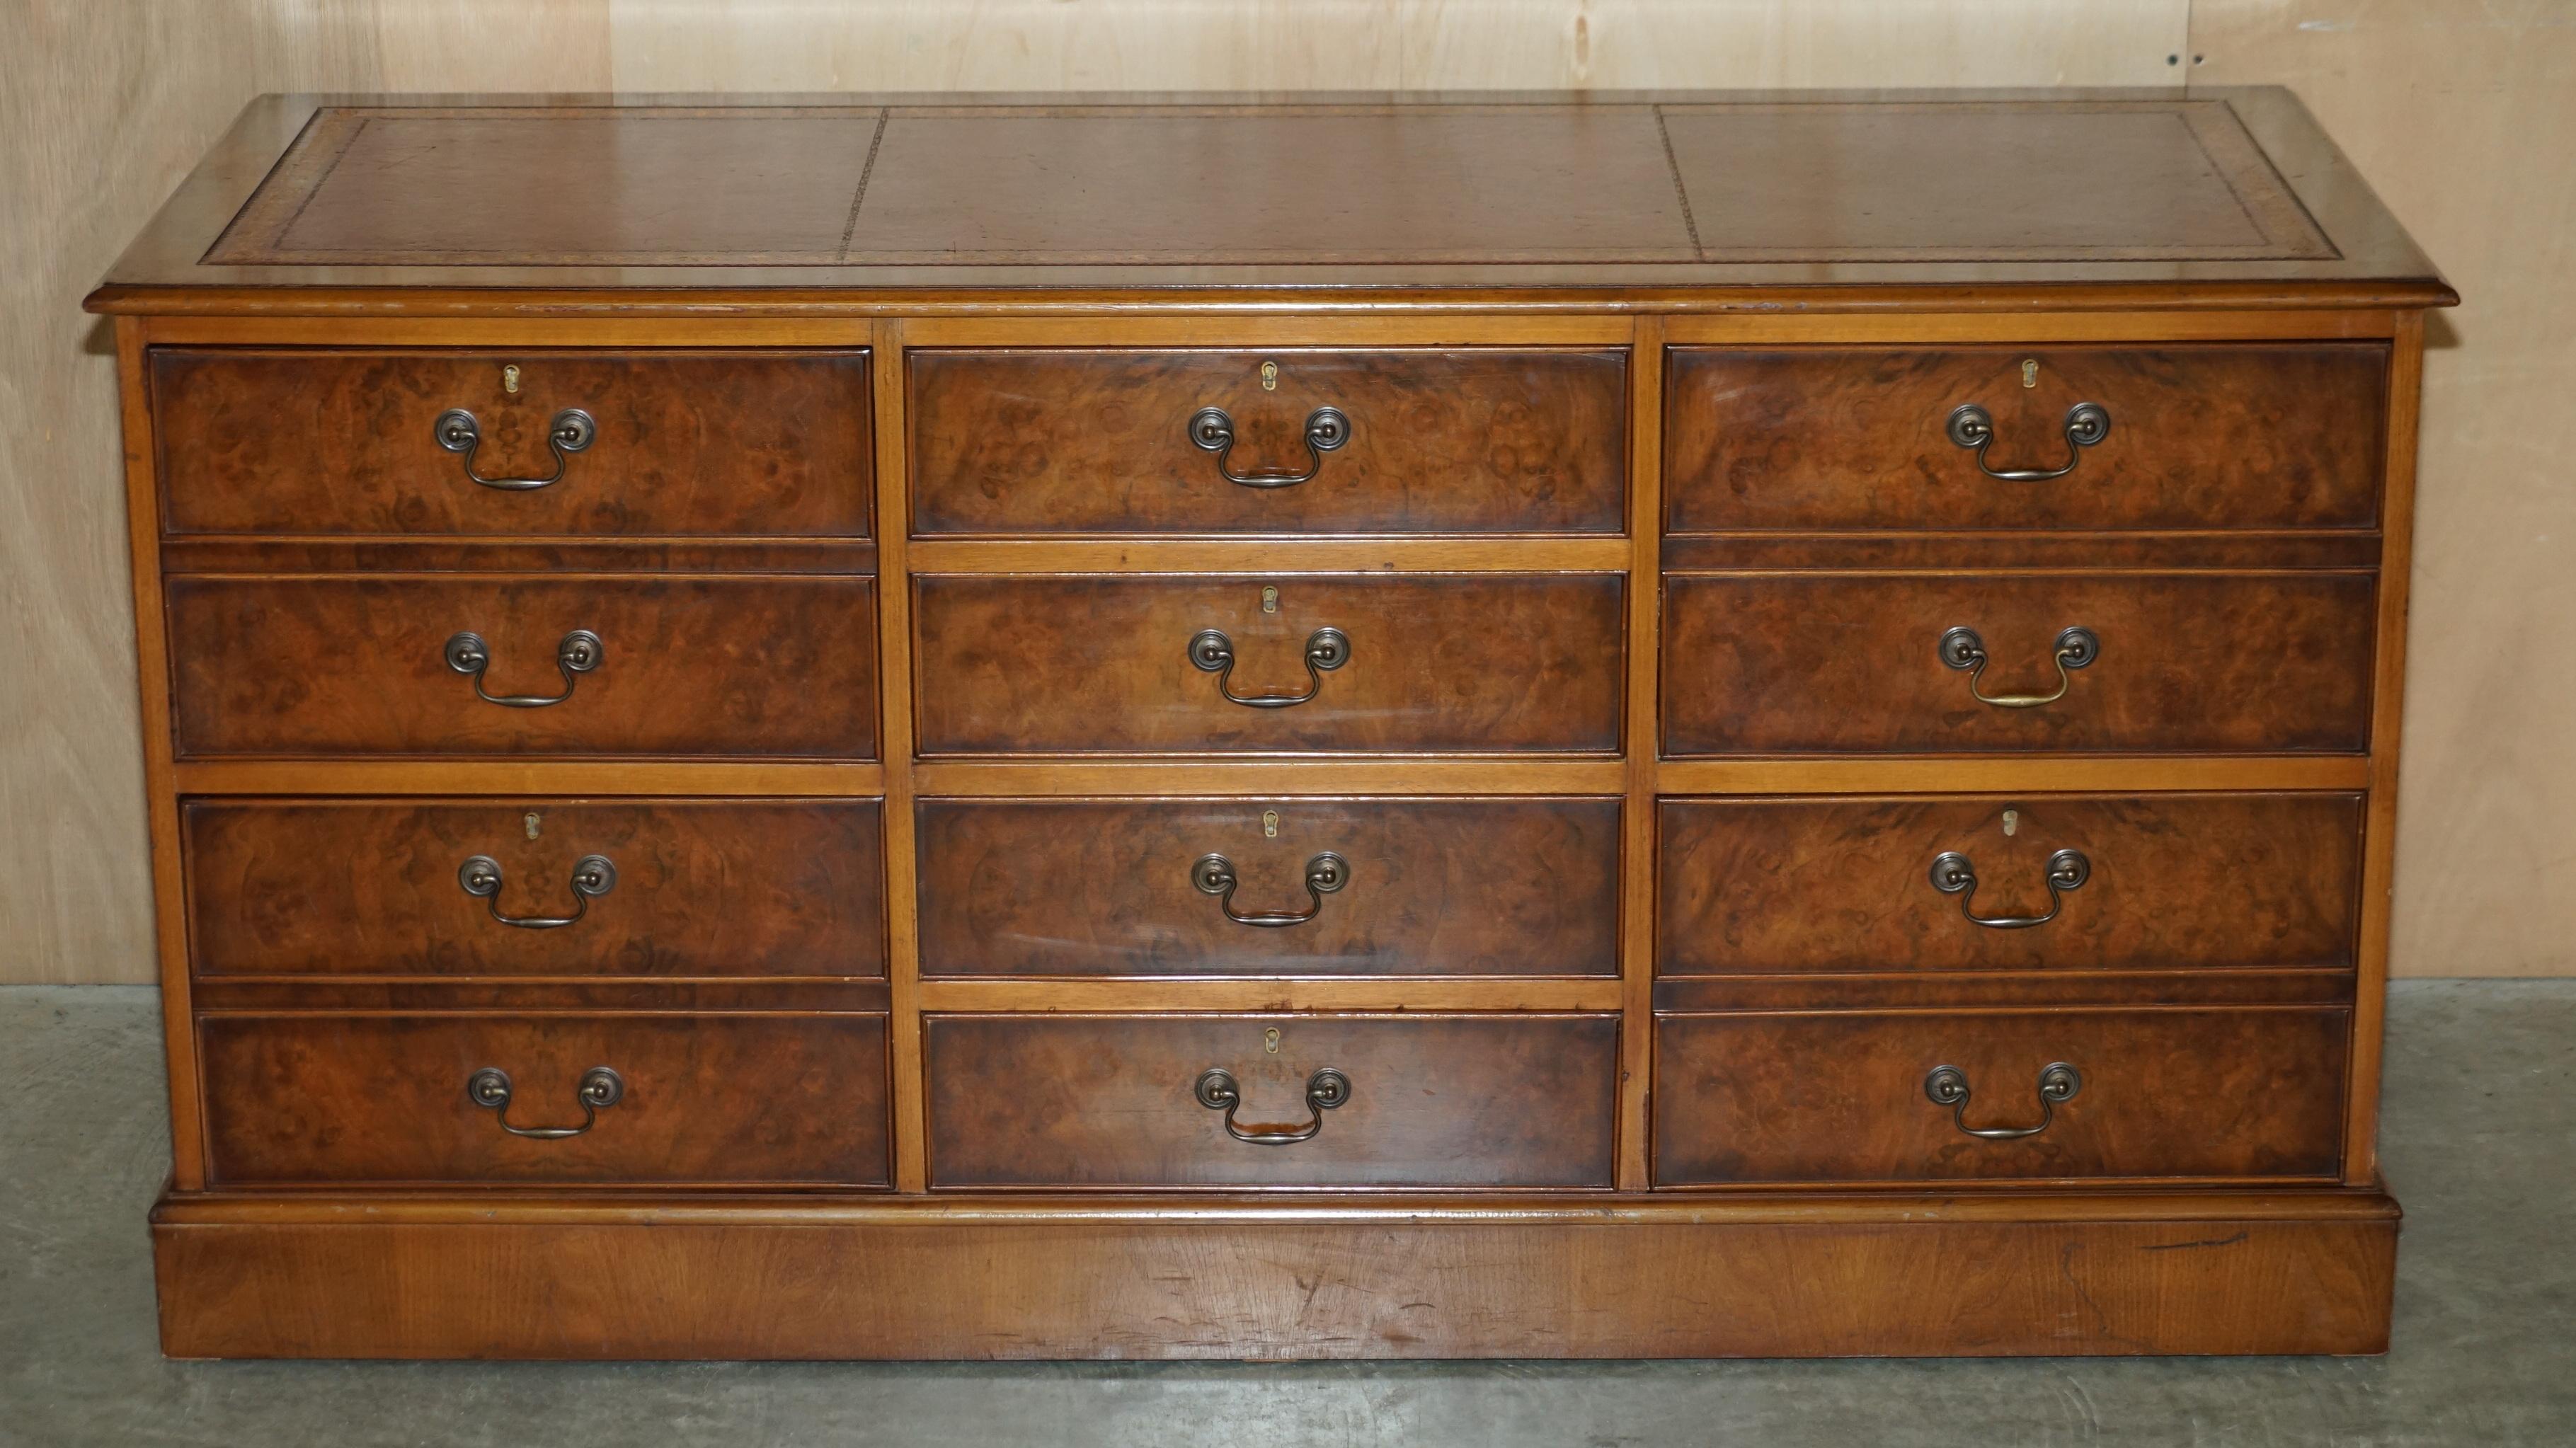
<point>2462,114</point>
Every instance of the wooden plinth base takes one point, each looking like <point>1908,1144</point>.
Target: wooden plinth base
<point>1318,1277</point>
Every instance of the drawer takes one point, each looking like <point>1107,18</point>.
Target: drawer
<point>689,887</point>
<point>1184,887</point>
<point>1485,662</point>
<point>1478,440</point>
<point>1849,1096</point>
<point>1128,1101</point>
<point>678,444</point>
<point>748,666</point>
<point>753,1099</point>
<point>770,444</point>
<point>1763,886</point>
<point>2228,436</point>
<point>1856,663</point>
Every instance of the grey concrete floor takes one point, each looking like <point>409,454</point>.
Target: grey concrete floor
<point>2480,1141</point>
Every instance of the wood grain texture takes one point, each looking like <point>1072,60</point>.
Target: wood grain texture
<point>1892,1273</point>
<point>780,1100</point>
<point>1767,886</point>
<point>1961,990</point>
<point>1106,1101</point>
<point>1102,887</point>
<point>1483,663</point>
<point>1456,441</point>
<point>704,887</point>
<point>1786,43</point>
<point>688,443</point>
<point>2200,437</point>
<point>106,108</point>
<point>1839,1096</point>
<point>1790,663</point>
<point>354,665</point>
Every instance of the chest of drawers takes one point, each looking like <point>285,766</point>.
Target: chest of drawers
<point>1660,725</point>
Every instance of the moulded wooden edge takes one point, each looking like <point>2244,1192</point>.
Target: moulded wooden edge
<point>1570,1276</point>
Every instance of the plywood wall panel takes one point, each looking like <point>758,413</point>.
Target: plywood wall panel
<point>416,45</point>
<point>999,45</point>
<point>1471,44</point>
<point>2462,116</point>
<point>103,107</point>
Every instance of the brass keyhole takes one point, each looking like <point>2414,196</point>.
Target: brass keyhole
<point>1270,824</point>
<point>2030,372</point>
<point>1269,600</point>
<point>2012,822</point>
<point>532,826</point>
<point>1269,376</point>
<point>1270,1040</point>
<point>510,379</point>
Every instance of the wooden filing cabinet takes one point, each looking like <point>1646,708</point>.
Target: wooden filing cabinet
<point>879,730</point>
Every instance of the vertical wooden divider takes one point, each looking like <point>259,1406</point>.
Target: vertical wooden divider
<point>893,528</point>
<point>160,787</point>
<point>1637,814</point>
<point>2388,707</point>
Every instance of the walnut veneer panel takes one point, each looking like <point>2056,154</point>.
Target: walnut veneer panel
<point>1455,441</point>
<point>369,886</point>
<point>1101,1101</point>
<point>2238,436</point>
<point>1840,1096</point>
<point>1483,662</point>
<point>1755,886</point>
<point>689,666</point>
<point>1103,887</point>
<point>1845,663</point>
<point>772,444</point>
<point>751,1098</point>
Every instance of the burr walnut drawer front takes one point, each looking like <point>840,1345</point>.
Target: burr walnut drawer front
<point>1213,887</point>
<point>534,887</point>
<point>2225,436</point>
<point>1311,1101</point>
<point>1148,663</point>
<point>1473,440</point>
<point>1857,663</point>
<point>1912,1096</point>
<point>487,664</point>
<point>2024,882</point>
<point>754,1099</point>
<point>536,443</point>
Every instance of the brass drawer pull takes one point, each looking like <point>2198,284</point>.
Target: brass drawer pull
<point>1325,1090</point>
<point>579,653</point>
<point>1326,873</point>
<point>570,432</point>
<point>1948,1086</point>
<point>1961,648</point>
<point>2087,423</point>
<point>1211,652</point>
<point>592,877</point>
<point>1211,430</point>
<point>601,1087</point>
<point>1953,874</point>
